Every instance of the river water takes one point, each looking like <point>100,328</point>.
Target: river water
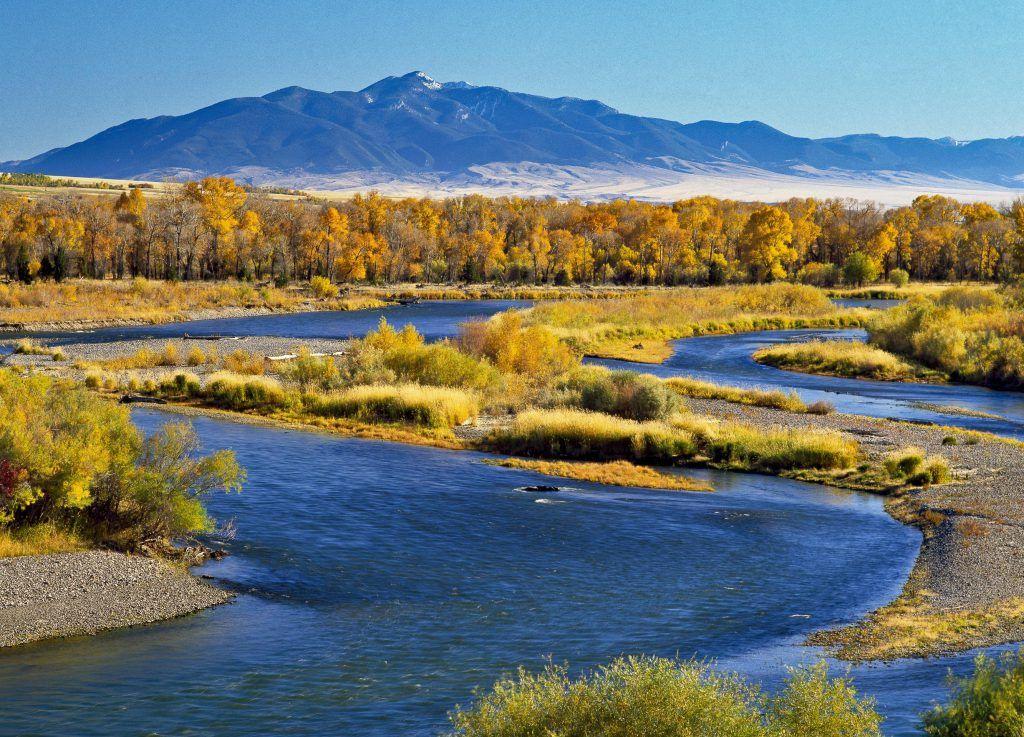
<point>379,584</point>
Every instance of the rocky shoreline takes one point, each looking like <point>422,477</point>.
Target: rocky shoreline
<point>70,594</point>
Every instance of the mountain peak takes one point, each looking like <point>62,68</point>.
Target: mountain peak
<point>412,82</point>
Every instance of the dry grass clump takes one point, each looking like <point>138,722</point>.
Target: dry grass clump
<point>913,467</point>
<point>775,399</point>
<point>238,392</point>
<point>842,358</point>
<point>612,473</point>
<point>628,328</point>
<point>142,359</point>
<point>746,447</point>
<point>40,539</point>
<point>244,362</point>
<point>28,347</point>
<point>427,406</point>
<point>579,434</point>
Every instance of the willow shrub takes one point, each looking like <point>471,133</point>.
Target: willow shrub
<point>429,406</point>
<point>656,696</point>
<point>974,335</point>
<point>622,393</point>
<point>72,458</point>
<point>989,703</point>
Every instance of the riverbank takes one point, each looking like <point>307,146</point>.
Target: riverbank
<point>966,589</point>
<point>70,594</point>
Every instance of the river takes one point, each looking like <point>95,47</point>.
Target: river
<point>380,583</point>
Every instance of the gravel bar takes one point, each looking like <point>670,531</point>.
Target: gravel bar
<point>68,594</point>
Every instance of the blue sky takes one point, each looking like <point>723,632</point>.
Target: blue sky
<point>69,69</point>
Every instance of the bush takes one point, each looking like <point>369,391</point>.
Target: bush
<point>243,362</point>
<point>312,372</point>
<point>622,393</point>
<point>429,406</point>
<point>989,703</point>
<point>71,457</point>
<point>899,278</point>
<point>322,288</point>
<point>656,696</point>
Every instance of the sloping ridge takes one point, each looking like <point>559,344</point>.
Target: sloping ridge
<point>409,126</point>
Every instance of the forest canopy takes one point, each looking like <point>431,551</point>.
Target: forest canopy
<point>217,228</point>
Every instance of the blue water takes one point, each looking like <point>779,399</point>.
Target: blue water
<point>726,359</point>
<point>433,319</point>
<point>380,583</point>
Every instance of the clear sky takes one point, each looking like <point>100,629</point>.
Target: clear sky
<point>70,68</point>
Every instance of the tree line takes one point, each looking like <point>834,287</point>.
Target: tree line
<point>216,228</point>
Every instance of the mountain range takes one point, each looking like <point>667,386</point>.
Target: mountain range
<point>410,133</point>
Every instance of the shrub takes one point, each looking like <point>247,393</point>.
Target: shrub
<point>899,278</point>
<point>656,696</point>
<point>989,703</point>
<point>196,357</point>
<point>623,393</point>
<point>93,380</point>
<point>233,391</point>
<point>533,350</point>
<point>309,371</point>
<point>322,288</point>
<point>77,459</point>
<point>429,406</point>
<point>904,463</point>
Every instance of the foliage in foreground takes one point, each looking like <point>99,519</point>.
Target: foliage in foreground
<point>989,703</point>
<point>655,696</point>
<point>72,459</point>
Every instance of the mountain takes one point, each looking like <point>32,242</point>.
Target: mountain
<point>414,132</point>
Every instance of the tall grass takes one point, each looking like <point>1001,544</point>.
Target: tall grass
<point>619,327</point>
<point>142,358</point>
<point>579,434</point>
<point>236,392</point>
<point>841,358</point>
<point>428,406</point>
<point>575,434</point>
<point>39,539</point>
<point>774,398</point>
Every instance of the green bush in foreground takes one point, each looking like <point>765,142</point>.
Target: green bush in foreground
<point>989,703</point>
<point>656,697</point>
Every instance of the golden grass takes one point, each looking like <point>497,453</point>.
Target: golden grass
<point>28,347</point>
<point>141,359</point>
<point>909,627</point>
<point>844,358</point>
<point>94,301</point>
<point>580,434</point>
<point>612,473</point>
<point>41,539</point>
<point>430,406</point>
<point>639,327</point>
<point>774,399</point>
